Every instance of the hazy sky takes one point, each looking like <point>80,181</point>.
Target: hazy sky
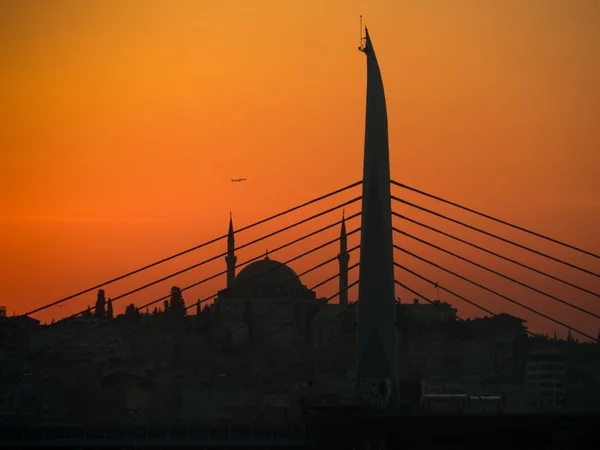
<point>122,122</point>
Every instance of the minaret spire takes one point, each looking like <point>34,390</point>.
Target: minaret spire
<point>343,259</point>
<point>230,259</point>
<point>377,371</point>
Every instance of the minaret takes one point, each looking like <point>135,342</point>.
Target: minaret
<point>377,371</point>
<point>230,259</point>
<point>343,259</point>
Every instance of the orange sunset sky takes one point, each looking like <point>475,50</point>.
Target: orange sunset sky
<point>122,122</point>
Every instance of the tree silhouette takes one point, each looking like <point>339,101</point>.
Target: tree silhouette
<point>109,309</point>
<point>131,312</point>
<point>177,305</point>
<point>100,303</point>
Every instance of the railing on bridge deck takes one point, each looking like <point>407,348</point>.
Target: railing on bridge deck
<point>172,436</point>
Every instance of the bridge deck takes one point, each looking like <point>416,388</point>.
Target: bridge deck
<point>153,437</point>
<point>344,428</point>
<point>327,428</point>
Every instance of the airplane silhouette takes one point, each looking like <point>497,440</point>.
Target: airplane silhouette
<point>238,180</point>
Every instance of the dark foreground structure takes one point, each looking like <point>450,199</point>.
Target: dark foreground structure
<point>156,437</point>
<point>375,425</point>
<point>330,428</point>
<point>347,428</point>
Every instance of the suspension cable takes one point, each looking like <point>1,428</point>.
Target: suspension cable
<point>42,329</point>
<point>484,288</point>
<point>187,269</point>
<point>495,236</point>
<point>533,269</point>
<point>103,324</point>
<point>476,305</point>
<point>564,302</point>
<point>212,241</point>
<point>503,222</point>
<point>452,293</point>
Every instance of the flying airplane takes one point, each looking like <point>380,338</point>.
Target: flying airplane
<point>238,180</point>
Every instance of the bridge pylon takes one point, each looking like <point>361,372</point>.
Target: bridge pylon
<point>377,373</point>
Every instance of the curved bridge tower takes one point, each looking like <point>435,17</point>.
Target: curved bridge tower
<point>377,365</point>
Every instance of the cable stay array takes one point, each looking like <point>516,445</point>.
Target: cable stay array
<point>490,252</point>
<point>466,300</point>
<point>506,277</point>
<point>184,252</point>
<point>492,291</point>
<point>206,299</point>
<point>212,296</point>
<point>503,222</point>
<point>148,325</point>
<point>165,318</point>
<point>513,280</point>
<point>508,241</point>
<point>213,258</point>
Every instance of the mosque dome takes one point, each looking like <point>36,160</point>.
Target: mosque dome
<point>267,277</point>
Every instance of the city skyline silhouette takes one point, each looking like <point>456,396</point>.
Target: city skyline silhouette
<point>156,299</point>
<point>85,197</point>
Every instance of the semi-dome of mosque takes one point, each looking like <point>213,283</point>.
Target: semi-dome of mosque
<point>267,276</point>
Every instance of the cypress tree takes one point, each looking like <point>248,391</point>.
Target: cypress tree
<point>100,304</point>
<point>109,309</point>
<point>177,304</point>
<point>131,312</point>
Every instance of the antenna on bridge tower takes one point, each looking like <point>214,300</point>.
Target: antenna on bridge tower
<point>360,34</point>
<point>362,46</point>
